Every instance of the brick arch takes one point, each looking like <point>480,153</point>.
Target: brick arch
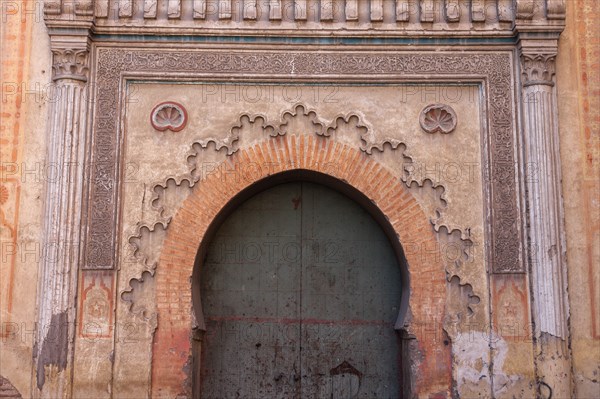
<point>190,226</point>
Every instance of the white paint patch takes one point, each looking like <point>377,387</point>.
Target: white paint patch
<point>472,352</point>
<point>472,355</point>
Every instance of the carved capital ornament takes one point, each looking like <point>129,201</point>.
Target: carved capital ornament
<point>70,64</point>
<point>538,69</point>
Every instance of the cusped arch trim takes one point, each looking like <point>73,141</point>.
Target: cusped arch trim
<point>400,215</point>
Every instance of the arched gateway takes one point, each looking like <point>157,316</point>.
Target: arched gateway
<point>327,171</point>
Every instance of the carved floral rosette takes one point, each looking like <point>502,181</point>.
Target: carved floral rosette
<point>168,115</point>
<point>438,118</point>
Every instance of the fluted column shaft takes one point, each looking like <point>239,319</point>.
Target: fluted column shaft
<point>66,147</point>
<point>547,247</point>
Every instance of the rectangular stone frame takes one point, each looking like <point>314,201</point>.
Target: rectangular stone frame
<point>494,70</point>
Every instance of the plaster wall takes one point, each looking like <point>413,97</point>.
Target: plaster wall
<point>26,91</point>
<point>578,85</point>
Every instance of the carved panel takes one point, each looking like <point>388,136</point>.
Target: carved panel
<point>96,304</point>
<point>497,67</point>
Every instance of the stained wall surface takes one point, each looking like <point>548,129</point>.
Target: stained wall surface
<point>578,85</point>
<point>25,74</point>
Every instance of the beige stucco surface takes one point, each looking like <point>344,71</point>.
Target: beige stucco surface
<point>26,91</point>
<point>452,163</point>
<point>578,88</point>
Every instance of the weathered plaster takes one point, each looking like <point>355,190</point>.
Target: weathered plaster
<point>577,85</point>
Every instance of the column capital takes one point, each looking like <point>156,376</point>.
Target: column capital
<point>70,64</point>
<point>70,57</point>
<point>538,69</point>
<point>538,59</point>
<point>69,23</point>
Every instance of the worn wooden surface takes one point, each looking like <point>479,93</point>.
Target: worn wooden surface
<point>300,292</point>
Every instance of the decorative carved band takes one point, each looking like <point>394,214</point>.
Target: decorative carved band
<point>70,64</point>
<point>556,9</point>
<point>538,69</point>
<point>387,17</point>
<point>84,7</point>
<point>112,63</point>
<point>52,8</point>
<point>525,9</point>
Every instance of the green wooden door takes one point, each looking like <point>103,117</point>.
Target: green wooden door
<point>300,293</point>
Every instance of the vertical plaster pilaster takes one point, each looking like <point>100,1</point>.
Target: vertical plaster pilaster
<point>547,247</point>
<point>67,134</point>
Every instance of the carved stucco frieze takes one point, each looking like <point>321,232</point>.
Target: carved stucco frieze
<point>293,120</point>
<point>455,242</point>
<point>140,298</point>
<point>229,141</point>
<point>462,302</point>
<point>168,195</point>
<point>301,119</point>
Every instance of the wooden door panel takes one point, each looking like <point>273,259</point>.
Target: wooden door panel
<point>300,291</point>
<point>350,300</point>
<point>250,298</point>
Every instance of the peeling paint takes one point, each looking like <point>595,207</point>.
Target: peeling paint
<point>502,382</point>
<point>473,352</point>
<point>54,347</point>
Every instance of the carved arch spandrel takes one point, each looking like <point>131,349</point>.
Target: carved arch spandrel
<point>167,197</point>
